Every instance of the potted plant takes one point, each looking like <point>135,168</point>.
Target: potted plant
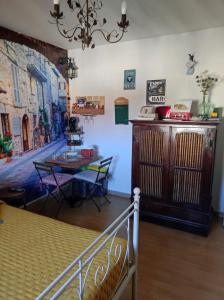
<point>7,146</point>
<point>2,150</point>
<point>9,156</point>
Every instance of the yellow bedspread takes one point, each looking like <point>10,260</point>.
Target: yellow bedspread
<point>35,249</point>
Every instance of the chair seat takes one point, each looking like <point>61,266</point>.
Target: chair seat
<point>61,178</point>
<point>89,176</point>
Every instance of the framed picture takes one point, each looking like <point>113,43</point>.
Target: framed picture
<point>129,79</point>
<point>155,91</point>
<point>89,105</point>
<point>181,106</point>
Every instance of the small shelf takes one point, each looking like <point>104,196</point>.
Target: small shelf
<point>74,133</point>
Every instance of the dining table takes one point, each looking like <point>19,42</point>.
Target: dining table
<point>73,162</point>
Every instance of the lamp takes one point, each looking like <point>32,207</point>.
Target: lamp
<point>71,67</point>
<point>87,19</point>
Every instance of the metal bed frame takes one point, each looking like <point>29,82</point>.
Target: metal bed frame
<point>81,265</point>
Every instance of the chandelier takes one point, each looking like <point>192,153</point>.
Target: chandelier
<point>88,23</point>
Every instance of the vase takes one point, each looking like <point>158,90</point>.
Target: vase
<point>205,108</point>
<point>8,159</point>
<point>2,161</point>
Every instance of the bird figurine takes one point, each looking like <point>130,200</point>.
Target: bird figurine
<point>191,64</point>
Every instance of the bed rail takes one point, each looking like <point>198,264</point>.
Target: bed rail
<point>84,261</point>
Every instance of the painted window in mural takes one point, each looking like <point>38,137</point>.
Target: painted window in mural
<point>16,84</point>
<point>5,124</point>
<point>40,94</point>
<point>33,106</point>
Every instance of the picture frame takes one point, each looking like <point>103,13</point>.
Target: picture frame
<point>89,105</point>
<point>181,106</point>
<point>129,79</point>
<point>155,92</point>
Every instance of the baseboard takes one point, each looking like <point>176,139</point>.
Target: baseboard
<point>119,194</point>
<point>185,225</point>
<point>110,192</point>
<point>41,198</point>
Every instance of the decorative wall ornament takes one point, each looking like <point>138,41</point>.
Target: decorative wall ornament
<point>155,91</point>
<point>129,79</point>
<point>87,22</point>
<point>191,64</point>
<point>121,111</point>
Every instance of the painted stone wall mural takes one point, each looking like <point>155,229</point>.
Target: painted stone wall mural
<point>33,105</point>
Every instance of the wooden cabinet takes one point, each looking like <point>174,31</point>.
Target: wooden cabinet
<point>172,163</point>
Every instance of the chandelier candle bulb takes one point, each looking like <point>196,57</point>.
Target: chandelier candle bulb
<point>56,2</point>
<point>123,7</point>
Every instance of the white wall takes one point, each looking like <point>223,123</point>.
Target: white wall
<point>101,72</point>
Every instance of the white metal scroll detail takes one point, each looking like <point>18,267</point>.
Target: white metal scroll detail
<point>81,266</point>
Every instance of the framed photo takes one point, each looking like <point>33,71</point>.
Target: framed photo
<point>181,106</point>
<point>89,105</point>
<point>155,92</point>
<point>129,79</point>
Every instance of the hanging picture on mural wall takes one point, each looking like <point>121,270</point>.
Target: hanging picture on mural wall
<point>89,105</point>
<point>129,79</point>
<point>155,91</point>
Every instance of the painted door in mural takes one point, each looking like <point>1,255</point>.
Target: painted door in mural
<point>25,128</point>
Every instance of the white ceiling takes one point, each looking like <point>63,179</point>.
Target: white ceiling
<point>148,18</point>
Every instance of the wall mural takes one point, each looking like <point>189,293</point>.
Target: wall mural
<point>33,102</point>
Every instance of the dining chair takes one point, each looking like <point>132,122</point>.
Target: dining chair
<point>50,178</point>
<point>95,179</point>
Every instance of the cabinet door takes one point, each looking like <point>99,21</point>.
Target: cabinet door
<point>150,163</point>
<point>191,167</point>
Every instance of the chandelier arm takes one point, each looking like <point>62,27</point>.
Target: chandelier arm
<point>74,30</point>
<point>103,32</point>
<point>98,2</point>
<point>87,16</point>
<point>99,22</point>
<point>82,9</point>
<point>66,36</point>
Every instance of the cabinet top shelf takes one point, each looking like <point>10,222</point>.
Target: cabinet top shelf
<point>175,122</point>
